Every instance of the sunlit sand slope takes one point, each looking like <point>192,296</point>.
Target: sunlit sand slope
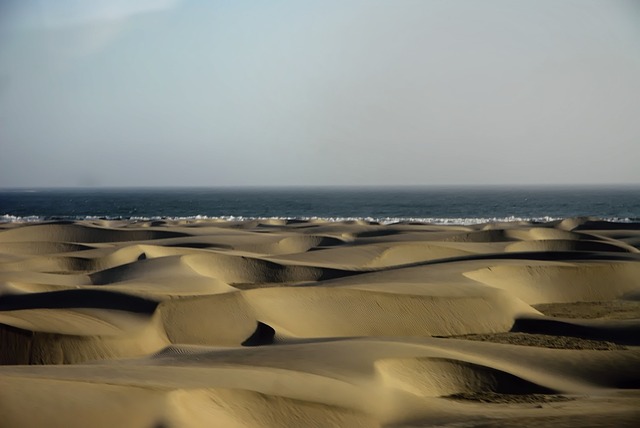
<point>274,323</point>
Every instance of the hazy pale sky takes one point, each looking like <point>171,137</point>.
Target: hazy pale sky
<point>345,92</point>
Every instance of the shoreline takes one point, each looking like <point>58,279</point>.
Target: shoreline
<point>387,221</point>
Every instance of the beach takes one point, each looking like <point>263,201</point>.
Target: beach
<point>292,323</point>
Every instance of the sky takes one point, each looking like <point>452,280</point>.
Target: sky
<point>332,92</point>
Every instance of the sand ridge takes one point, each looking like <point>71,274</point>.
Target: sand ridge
<point>317,323</point>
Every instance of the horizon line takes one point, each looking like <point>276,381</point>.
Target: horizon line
<point>325,186</point>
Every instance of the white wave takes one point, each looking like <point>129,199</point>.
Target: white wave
<point>8,218</point>
<point>460,221</point>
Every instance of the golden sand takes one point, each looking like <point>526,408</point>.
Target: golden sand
<point>279,323</point>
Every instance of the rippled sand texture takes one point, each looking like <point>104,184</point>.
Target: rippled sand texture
<point>312,323</point>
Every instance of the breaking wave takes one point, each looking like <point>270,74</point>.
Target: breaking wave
<point>464,221</point>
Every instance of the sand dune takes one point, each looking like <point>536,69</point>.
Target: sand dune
<point>173,323</point>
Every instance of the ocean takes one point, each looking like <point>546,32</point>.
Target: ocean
<point>443,205</point>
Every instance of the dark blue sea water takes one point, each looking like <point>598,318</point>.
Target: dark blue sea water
<point>461,205</point>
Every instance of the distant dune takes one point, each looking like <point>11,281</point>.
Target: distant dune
<point>275,323</point>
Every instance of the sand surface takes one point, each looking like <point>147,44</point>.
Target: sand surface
<point>274,323</point>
